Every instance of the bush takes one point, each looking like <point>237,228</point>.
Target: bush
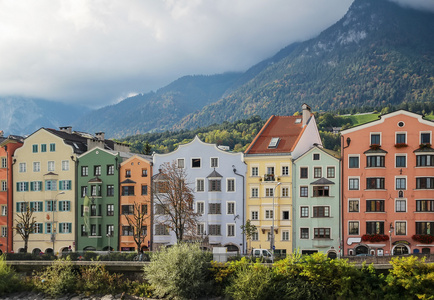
<point>179,272</point>
<point>57,279</point>
<point>96,279</point>
<point>9,279</point>
<point>141,289</point>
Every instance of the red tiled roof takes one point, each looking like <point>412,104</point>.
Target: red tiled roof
<point>283,127</point>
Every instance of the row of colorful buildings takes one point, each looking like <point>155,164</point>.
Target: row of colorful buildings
<point>374,197</point>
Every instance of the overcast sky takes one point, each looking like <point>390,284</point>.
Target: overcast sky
<point>96,52</point>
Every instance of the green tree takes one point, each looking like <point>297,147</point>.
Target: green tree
<point>248,230</point>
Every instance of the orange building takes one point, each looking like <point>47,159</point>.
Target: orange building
<point>388,186</point>
<point>135,189</point>
<point>7,148</point>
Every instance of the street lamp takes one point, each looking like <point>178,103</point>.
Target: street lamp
<point>390,240</point>
<point>272,224</point>
<point>53,206</point>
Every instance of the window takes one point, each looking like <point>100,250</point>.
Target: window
<point>269,192</point>
<point>255,171</point>
<point>231,185</point>
<point>425,138</point>
<point>400,184</point>
<point>200,208</point>
<point>110,190</point>
<point>303,191</point>
<point>425,205</point>
<point>38,228</point>
<point>4,211</point>
<point>375,227</point>
<point>285,235</point>
<point>64,185</point>
<point>321,191</point>
<point>321,211</point>
<point>144,189</point>
<point>353,183</point>
<point>321,233</point>
<point>145,209</point>
<point>375,205</point>
<point>144,172</point>
<point>304,233</point>
<point>21,206</point>
<point>255,236</point>
<point>317,172</point>
<point>401,206</point>
<point>84,171</point>
<point>160,209</point>
<point>330,172</point>
<point>400,228</point>
<point>4,185</point>
<point>401,161</point>
<point>97,170</point>
<point>401,138</point>
<point>110,210</point>
<point>50,166</point>
<point>285,215</point>
<point>51,185</point>
<point>375,161</point>
<point>200,229</point>
<point>215,185</point>
<point>304,172</point>
<point>128,191</point>
<point>353,162</point>
<point>35,148</point>
<point>50,206</point>
<point>353,227</point>
<point>4,232</point>
<point>36,166</point>
<point>374,183</point>
<point>110,229</point>
<point>425,228</point>
<point>285,192</point>
<point>4,163</point>
<point>110,169</point>
<point>128,230</point>
<point>425,183</point>
<point>214,162</point>
<point>43,147</point>
<point>304,211</point>
<point>195,162</point>
<point>255,215</point>
<point>269,214</point>
<point>375,139</point>
<point>316,156</point>
<point>353,205</point>
<point>231,230</point>
<point>22,186</point>
<point>127,173</point>
<point>83,191</point>
<point>93,211</point>
<point>270,170</point>
<point>22,167</point>
<point>64,205</point>
<point>83,230</point>
<point>285,170</point>
<point>127,209</point>
<point>214,229</point>
<point>274,142</point>
<point>65,165</point>
<point>36,186</point>
<point>95,190</point>
<point>230,208</point>
<point>424,160</point>
<point>52,147</point>
<point>255,192</point>
<point>180,163</point>
<point>214,209</point>
<point>200,185</point>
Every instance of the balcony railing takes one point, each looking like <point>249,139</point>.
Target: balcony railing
<point>269,177</point>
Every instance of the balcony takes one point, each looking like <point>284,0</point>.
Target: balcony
<point>269,177</point>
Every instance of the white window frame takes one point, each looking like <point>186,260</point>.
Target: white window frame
<point>51,166</point>
<point>228,185</point>
<point>36,166</point>
<point>353,177</point>
<point>178,160</point>
<point>231,206</point>
<point>4,185</point>
<point>268,192</point>
<point>375,133</point>
<point>406,227</point>
<point>406,183</point>
<point>282,168</point>
<point>230,230</point>
<point>252,173</point>
<point>212,160</point>
<point>401,211</point>
<point>353,199</point>
<point>4,211</point>
<point>430,136</point>
<point>401,132</point>
<point>22,167</point>
<point>254,215</point>
<point>285,236</point>
<point>4,162</point>
<point>65,165</point>
<point>269,214</point>
<point>198,185</point>
<point>283,189</point>
<point>352,156</point>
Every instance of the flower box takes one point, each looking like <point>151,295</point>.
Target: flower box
<point>401,145</point>
<point>375,146</point>
<point>423,238</point>
<point>375,238</point>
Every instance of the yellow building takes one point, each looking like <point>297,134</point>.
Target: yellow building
<point>269,177</point>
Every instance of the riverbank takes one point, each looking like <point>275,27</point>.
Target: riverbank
<point>41,296</point>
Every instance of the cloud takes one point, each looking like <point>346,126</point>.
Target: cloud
<point>417,4</point>
<point>94,52</point>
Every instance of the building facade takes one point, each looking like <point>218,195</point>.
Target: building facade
<point>316,194</point>
<point>217,177</point>
<point>388,186</point>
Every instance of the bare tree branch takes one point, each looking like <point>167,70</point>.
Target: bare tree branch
<point>25,224</point>
<point>137,221</point>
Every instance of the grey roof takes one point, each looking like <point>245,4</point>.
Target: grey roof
<point>95,179</point>
<point>322,180</point>
<point>214,174</point>
<point>126,181</point>
<point>379,150</point>
<point>424,149</point>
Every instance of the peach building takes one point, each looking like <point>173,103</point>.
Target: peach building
<point>388,186</point>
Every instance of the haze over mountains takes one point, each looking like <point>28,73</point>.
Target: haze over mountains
<point>379,53</point>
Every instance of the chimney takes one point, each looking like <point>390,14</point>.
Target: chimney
<point>67,129</point>
<point>1,133</point>
<point>306,113</point>
<point>99,136</point>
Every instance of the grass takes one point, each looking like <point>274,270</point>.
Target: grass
<point>362,119</point>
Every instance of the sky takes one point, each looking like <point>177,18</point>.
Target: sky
<point>98,52</point>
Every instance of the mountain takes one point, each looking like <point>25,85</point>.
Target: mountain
<point>379,53</point>
<point>23,116</point>
<point>160,110</point>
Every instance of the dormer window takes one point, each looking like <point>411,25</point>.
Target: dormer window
<point>273,143</point>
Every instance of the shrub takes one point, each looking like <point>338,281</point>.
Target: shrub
<point>179,272</point>
<point>9,279</point>
<point>141,289</point>
<point>57,279</point>
<point>96,279</point>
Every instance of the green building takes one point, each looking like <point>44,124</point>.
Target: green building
<point>98,199</point>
